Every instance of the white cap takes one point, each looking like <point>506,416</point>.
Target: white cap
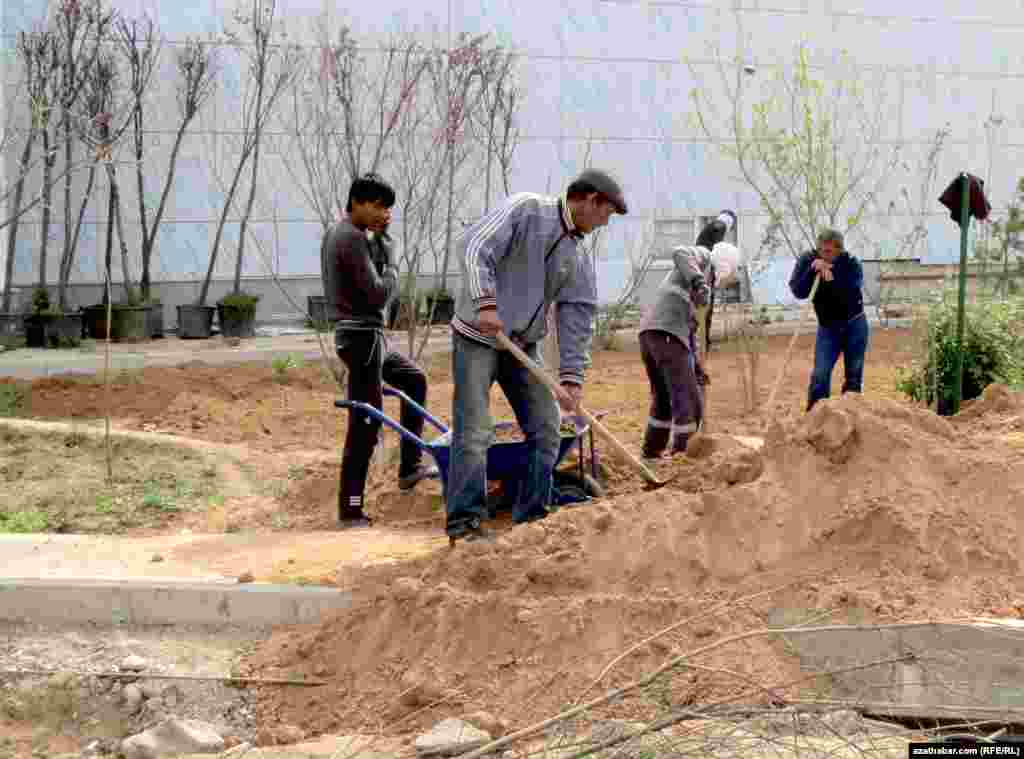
<point>727,219</point>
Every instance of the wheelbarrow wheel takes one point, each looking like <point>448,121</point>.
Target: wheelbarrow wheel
<point>590,486</point>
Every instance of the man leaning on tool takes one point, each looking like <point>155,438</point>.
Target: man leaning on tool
<point>839,306</point>
<point>516,261</point>
<point>359,280</point>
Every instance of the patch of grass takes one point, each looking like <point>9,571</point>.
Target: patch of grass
<point>24,521</point>
<point>282,365</point>
<point>154,498</point>
<point>11,398</point>
<point>215,501</point>
<point>105,505</point>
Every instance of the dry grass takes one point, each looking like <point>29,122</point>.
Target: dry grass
<point>56,482</point>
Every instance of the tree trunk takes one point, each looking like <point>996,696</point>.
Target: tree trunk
<point>205,290</point>
<point>248,212</point>
<point>68,261</point>
<point>125,268</point>
<point>109,248</point>
<point>141,186</point>
<point>44,230</point>
<point>68,177</point>
<point>12,235</point>
<point>448,218</point>
<point>149,238</point>
<point>490,162</point>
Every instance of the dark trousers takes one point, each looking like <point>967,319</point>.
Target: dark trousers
<point>368,368</point>
<point>849,338</point>
<point>677,404</point>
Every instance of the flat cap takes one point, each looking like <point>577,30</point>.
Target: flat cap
<point>604,184</point>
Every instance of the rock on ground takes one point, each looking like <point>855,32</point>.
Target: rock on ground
<point>133,663</point>
<point>173,737</point>
<point>451,738</point>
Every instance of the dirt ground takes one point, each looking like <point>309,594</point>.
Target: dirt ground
<point>294,433</point>
<point>866,509</point>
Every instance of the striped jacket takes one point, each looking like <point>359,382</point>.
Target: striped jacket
<point>523,257</point>
<point>683,290</point>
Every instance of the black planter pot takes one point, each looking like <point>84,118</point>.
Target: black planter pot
<point>316,307</point>
<point>12,325</point>
<point>95,318</point>
<point>195,322</point>
<point>401,313</point>
<point>35,330</point>
<point>155,320</point>
<point>234,324</point>
<point>53,331</point>
<point>129,323</point>
<point>444,310</point>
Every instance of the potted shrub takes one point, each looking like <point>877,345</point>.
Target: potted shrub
<point>129,321</point>
<point>47,326</point>
<point>443,304</point>
<point>236,313</point>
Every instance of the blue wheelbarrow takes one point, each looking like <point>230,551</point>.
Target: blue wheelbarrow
<point>506,461</point>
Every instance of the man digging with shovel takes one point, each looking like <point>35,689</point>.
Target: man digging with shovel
<point>516,261</point>
<point>669,345</point>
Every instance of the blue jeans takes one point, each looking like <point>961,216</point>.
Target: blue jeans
<point>849,338</point>
<point>475,368</point>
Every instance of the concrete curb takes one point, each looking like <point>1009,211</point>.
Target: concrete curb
<point>165,602</point>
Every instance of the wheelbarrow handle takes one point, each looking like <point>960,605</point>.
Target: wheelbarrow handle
<point>375,413</point>
<point>395,393</point>
<point>543,376</point>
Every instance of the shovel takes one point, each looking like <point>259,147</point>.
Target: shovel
<point>653,483</point>
<point>792,344</point>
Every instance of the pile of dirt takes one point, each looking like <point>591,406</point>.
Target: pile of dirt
<point>884,510</point>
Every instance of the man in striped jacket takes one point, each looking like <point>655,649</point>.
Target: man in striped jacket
<point>516,261</point>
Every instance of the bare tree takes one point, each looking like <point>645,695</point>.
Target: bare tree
<point>272,65</point>
<point>37,53</point>
<point>103,137</point>
<point>139,44</point>
<point>81,30</point>
<point>196,66</point>
<point>916,210</point>
<point>810,148</point>
<point>346,114</point>
<point>495,118</point>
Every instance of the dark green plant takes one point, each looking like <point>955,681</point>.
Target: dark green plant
<point>993,352</point>
<point>239,305</point>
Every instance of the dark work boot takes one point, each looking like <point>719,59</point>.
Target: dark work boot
<point>655,441</point>
<point>421,472</point>
<point>680,442</point>
<point>350,513</point>
<point>471,531</point>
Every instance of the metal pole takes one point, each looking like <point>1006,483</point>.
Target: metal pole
<point>965,221</point>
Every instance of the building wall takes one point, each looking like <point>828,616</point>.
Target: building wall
<point>609,77</point>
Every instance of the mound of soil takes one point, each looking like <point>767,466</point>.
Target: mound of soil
<point>878,509</point>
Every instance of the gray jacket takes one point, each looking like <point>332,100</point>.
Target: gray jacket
<point>502,257</point>
<point>684,289</point>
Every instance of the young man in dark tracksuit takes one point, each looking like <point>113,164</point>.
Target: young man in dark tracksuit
<point>839,306</point>
<point>359,280</point>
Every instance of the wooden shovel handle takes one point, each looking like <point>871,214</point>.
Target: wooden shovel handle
<point>792,344</point>
<point>543,376</point>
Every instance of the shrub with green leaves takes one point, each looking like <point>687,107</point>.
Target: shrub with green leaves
<point>993,351</point>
